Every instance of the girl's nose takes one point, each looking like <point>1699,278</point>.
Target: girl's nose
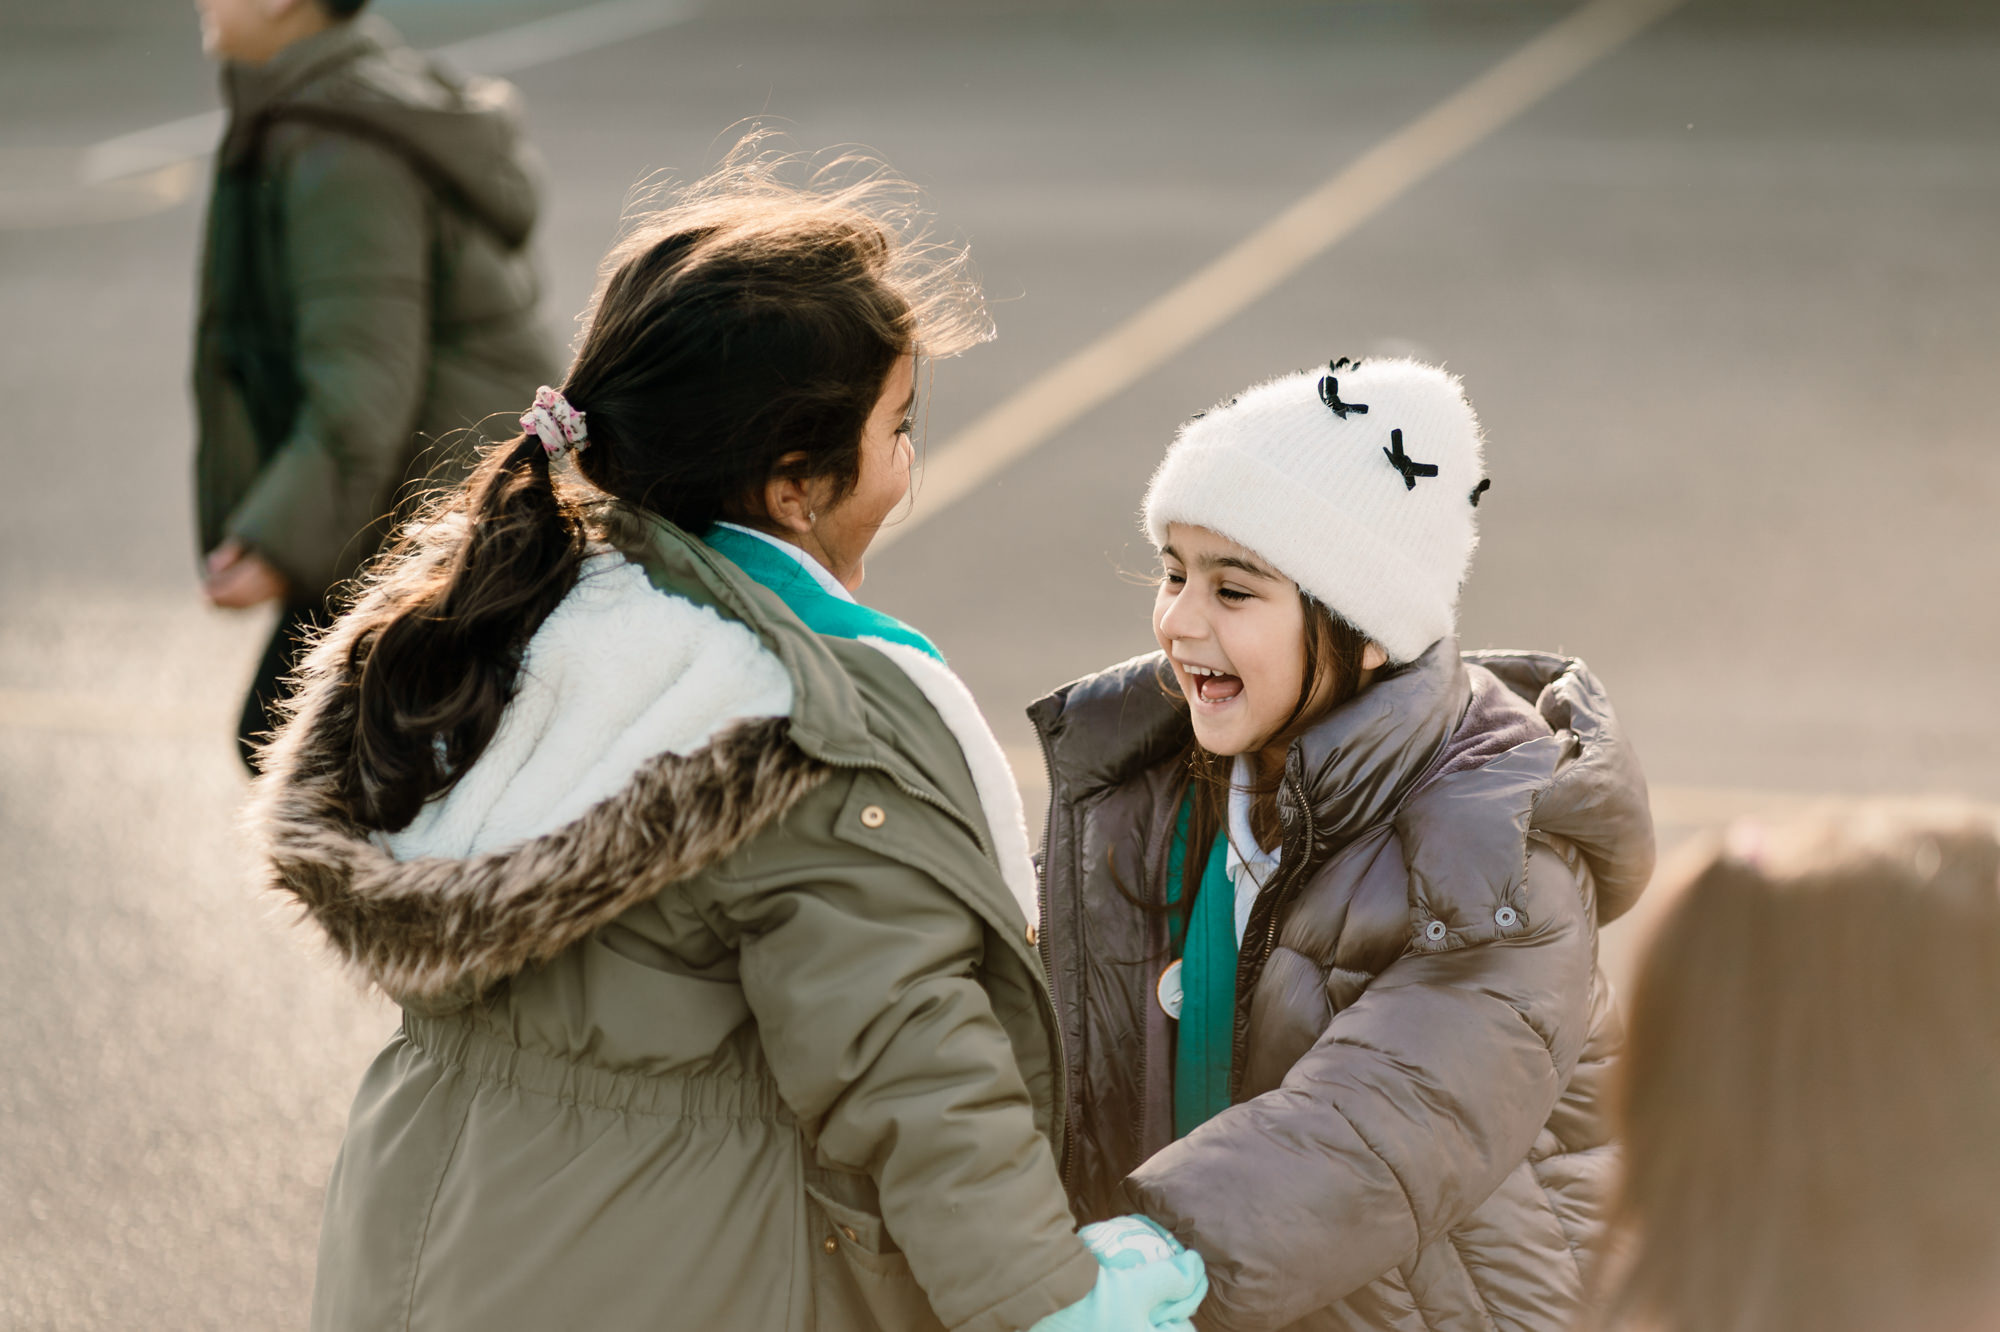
<point>1183,619</point>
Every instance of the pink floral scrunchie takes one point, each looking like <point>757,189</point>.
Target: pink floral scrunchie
<point>553,421</point>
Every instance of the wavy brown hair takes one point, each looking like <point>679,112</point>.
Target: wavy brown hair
<point>1811,1089</point>
<point>743,329</point>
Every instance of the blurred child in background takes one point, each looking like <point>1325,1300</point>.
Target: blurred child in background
<point>366,291</point>
<point>1812,1088</point>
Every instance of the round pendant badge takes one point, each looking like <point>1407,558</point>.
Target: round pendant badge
<point>1169,990</point>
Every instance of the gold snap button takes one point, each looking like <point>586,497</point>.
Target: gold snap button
<point>1034,936</point>
<point>849,1232</point>
<point>832,1245</point>
<point>873,817</point>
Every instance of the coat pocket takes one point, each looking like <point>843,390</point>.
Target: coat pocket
<point>860,1278</point>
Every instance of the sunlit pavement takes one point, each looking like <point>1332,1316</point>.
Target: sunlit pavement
<point>1727,304</point>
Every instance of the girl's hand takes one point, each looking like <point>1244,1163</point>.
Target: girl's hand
<point>239,578</point>
<point>1146,1281</point>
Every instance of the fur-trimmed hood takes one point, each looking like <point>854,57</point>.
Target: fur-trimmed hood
<point>842,1023</point>
<point>650,735</point>
<point>647,739</point>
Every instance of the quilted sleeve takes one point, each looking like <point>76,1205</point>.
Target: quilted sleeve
<point>1404,1116</point>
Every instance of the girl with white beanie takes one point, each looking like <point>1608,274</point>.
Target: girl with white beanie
<point>1321,892</point>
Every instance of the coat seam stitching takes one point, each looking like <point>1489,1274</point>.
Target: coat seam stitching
<point>1416,1304</point>
<point>1478,1295</point>
<point>1409,1200</point>
<point>1562,1228</point>
<point>430,1210</point>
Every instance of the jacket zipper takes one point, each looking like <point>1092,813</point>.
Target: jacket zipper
<point>1246,980</point>
<point>1271,926</point>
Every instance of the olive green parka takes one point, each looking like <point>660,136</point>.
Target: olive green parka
<point>760,1041</point>
<point>366,300</point>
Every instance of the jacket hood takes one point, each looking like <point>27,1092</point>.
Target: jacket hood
<point>1468,755</point>
<point>1490,745</point>
<point>439,928</point>
<point>1597,797</point>
<point>359,77</point>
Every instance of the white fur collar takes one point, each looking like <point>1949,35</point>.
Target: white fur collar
<point>619,673</point>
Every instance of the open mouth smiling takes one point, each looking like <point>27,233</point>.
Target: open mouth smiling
<point>1212,686</point>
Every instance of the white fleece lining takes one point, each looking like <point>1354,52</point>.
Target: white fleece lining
<point>618,673</point>
<point>992,776</point>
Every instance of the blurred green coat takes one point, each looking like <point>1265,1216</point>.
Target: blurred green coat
<point>366,295</point>
<point>760,1042</point>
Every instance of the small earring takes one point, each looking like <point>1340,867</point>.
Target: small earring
<point>812,515</point>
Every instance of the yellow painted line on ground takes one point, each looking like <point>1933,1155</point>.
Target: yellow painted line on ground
<point>1225,288</point>
<point>1256,265</point>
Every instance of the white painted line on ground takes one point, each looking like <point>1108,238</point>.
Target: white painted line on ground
<point>150,149</point>
<point>560,36</point>
<point>508,51</point>
<point>1255,266</point>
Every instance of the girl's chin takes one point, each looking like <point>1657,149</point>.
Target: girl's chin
<point>1224,741</point>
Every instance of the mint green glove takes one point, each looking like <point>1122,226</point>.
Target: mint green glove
<point>1145,1281</point>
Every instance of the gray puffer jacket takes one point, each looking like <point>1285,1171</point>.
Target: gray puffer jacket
<point>1423,1039</point>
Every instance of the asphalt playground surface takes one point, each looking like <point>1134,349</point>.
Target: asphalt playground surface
<point>1728,302</point>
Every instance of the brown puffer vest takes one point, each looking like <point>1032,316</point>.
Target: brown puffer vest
<point>1423,1039</point>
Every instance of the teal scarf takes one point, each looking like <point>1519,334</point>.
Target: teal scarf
<point>820,610</point>
<point>1207,1031</point>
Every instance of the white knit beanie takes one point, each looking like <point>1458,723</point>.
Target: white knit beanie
<point>1357,480</point>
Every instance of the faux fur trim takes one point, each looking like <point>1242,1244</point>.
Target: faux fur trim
<point>431,928</point>
<point>618,673</point>
<point>441,928</point>
<point>992,775</point>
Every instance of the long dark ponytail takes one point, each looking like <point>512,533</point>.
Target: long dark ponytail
<point>744,329</point>
<point>434,673</point>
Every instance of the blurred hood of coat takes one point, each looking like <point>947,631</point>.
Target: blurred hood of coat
<point>462,131</point>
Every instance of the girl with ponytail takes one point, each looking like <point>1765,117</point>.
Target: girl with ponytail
<point>703,887</point>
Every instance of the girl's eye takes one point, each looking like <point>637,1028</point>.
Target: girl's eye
<point>1232,595</point>
<point>908,427</point>
<point>1172,579</point>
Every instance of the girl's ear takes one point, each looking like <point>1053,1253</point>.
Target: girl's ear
<point>790,503</point>
<point>1373,658</point>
